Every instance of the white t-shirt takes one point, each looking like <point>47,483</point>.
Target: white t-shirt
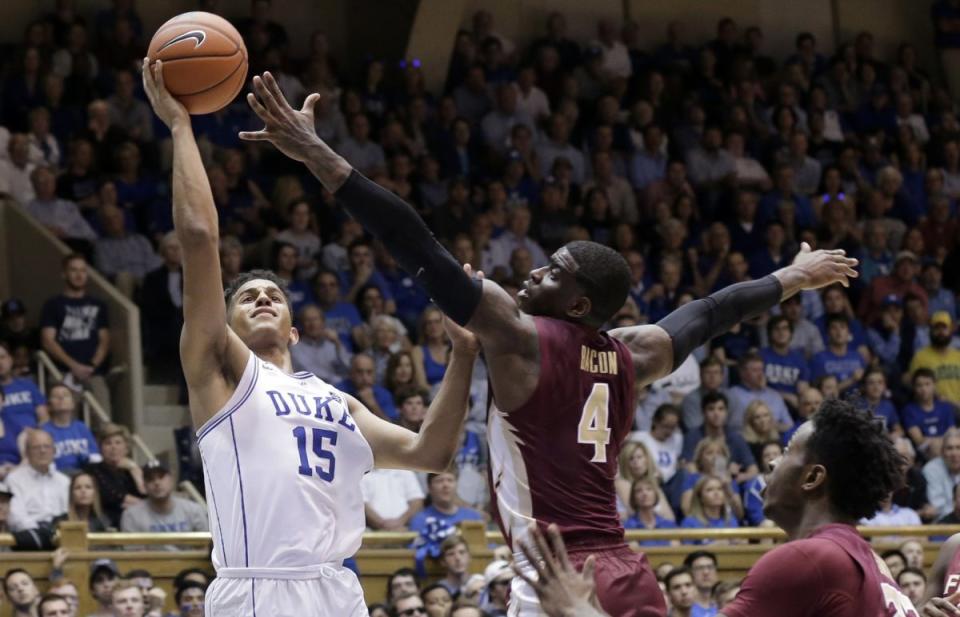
<point>666,453</point>
<point>389,491</point>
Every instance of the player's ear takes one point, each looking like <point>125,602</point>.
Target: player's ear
<point>294,336</point>
<point>814,478</point>
<point>581,308</point>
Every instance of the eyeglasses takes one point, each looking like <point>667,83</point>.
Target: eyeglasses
<point>416,610</point>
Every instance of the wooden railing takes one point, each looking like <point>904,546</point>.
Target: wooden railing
<point>384,552</point>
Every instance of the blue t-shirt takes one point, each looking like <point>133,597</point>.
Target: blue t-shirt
<point>858,334</point>
<point>703,611</point>
<point>342,318</point>
<point>691,522</point>
<point>20,400</point>
<point>9,453</point>
<point>75,445</point>
<point>933,423</point>
<point>376,279</point>
<point>885,409</point>
<point>410,296</point>
<point>784,371</point>
<point>752,495</point>
<point>381,394</point>
<point>842,367</point>
<point>434,525</point>
<point>660,523</point>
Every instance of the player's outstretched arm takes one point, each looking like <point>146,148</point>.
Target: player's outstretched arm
<point>204,341</point>
<point>659,349</point>
<point>433,448</point>
<point>484,308</point>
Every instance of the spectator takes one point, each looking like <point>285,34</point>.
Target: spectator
<point>104,576</point>
<point>362,384</point>
<point>61,217</point>
<point>162,511</point>
<point>84,503</point>
<point>711,380</point>
<point>636,463</point>
<point>44,148</point>
<point>343,317</point>
<point>74,443</point>
<point>75,331</point>
<point>649,164</point>
<point>838,359</point>
<point>927,418</point>
<point>363,272</point>
<point>301,232</point>
<point>53,605</point>
<point>391,498</point>
<point>123,257</point>
<point>434,344</point>
<point>785,203</point>
<point>752,491</point>
<point>753,386</point>
<point>711,458</point>
<point>806,336</point>
<point>364,155</point>
<point>127,599</point>
<point>900,282</point>
<point>472,97</point>
<point>785,368</point>
<point>437,520</point>
<point>710,166</point>
<point>750,174</point>
<point>941,358</point>
<point>67,590</point>
<point>715,417</point>
<point>892,515</point>
<point>40,491</point>
<point>895,560</point>
<point>943,472</point>
<point>320,350</point>
<point>681,592</point>
<point>913,583</point>
<point>645,497</point>
<point>953,518</point>
<point>161,307</point>
<point>130,114</point>
<point>758,428</point>
<point>623,203</point>
<point>16,170</point>
<point>499,122</point>
<point>408,604</point>
<point>24,406</point>
<point>664,441</point>
<point>455,557</point>
<point>531,100</point>
<point>119,478</point>
<point>400,583</point>
<point>711,506</point>
<point>21,590</point>
<point>557,145</point>
<point>876,397</point>
<point>190,598</point>
<point>876,260</point>
<point>516,236</point>
<point>15,330</point>
<point>703,567</point>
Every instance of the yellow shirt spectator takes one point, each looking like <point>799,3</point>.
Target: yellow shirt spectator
<point>943,361</point>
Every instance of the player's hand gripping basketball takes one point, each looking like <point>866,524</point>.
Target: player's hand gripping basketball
<point>167,108</point>
<point>292,132</point>
<point>821,268</point>
<point>563,591</point>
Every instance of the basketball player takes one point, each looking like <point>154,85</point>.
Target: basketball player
<point>283,452</point>
<point>563,391</point>
<point>837,469</point>
<point>943,585</point>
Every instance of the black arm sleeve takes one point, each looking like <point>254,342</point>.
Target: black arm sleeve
<point>408,239</point>
<point>695,323</point>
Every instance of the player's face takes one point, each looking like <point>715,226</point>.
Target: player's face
<point>681,591</point>
<point>783,497</point>
<point>128,603</point>
<point>550,291</point>
<point>913,587</point>
<point>191,603</point>
<point>438,603</point>
<point>260,315</point>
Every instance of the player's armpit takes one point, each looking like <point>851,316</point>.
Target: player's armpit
<point>651,349</point>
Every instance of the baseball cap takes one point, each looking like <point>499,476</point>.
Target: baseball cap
<point>905,255</point>
<point>941,317</point>
<point>12,307</point>
<point>103,564</point>
<point>5,490</point>
<point>496,571</point>
<point>153,468</point>
<point>891,300</point>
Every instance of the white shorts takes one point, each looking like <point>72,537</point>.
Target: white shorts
<point>523,599</point>
<point>325,591</point>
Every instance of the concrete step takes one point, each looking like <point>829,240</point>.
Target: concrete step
<point>161,394</point>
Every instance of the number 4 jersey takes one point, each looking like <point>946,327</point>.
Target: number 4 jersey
<point>554,459</point>
<point>283,462</point>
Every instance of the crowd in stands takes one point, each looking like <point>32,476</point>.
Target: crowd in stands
<point>705,163</point>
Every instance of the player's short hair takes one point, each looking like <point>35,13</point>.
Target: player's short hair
<point>713,397</point>
<point>451,542</point>
<point>863,466</point>
<point>251,275</point>
<point>695,555</point>
<point>672,574</point>
<point>50,598</point>
<point>923,372</point>
<point>604,275</point>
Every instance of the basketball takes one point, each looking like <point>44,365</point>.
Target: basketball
<point>204,60</point>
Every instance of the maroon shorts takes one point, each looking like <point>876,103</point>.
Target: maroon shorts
<point>626,585</point>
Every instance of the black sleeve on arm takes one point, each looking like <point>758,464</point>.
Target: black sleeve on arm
<point>695,323</point>
<point>408,239</point>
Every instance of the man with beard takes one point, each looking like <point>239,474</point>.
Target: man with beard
<point>941,358</point>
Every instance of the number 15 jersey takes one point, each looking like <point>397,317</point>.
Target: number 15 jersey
<point>554,459</point>
<point>283,462</point>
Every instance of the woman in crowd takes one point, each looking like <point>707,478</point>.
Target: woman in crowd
<point>645,497</point>
<point>712,505</point>
<point>637,464</point>
<point>401,373</point>
<point>301,232</point>
<point>711,457</point>
<point>118,477</point>
<point>759,427</point>
<point>430,357</point>
<point>84,504</point>
<point>389,337</point>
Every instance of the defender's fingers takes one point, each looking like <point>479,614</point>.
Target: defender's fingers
<point>254,135</point>
<point>266,97</point>
<point>257,107</point>
<point>557,546</point>
<point>274,88</point>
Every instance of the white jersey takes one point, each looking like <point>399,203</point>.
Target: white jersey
<point>283,462</point>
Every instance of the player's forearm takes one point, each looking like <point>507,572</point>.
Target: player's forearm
<point>194,213</point>
<point>331,169</point>
<point>792,278</point>
<point>441,429</point>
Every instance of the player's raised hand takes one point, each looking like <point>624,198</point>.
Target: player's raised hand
<point>167,108</point>
<point>292,131</point>
<point>942,607</point>
<point>563,592</point>
<point>822,268</point>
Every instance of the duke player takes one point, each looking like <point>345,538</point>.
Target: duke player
<point>943,586</point>
<point>837,469</point>
<point>563,391</point>
<point>283,452</point>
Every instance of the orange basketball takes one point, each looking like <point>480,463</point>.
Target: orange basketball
<point>204,60</point>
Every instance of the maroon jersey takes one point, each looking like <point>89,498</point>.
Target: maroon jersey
<point>951,582</point>
<point>554,459</point>
<point>831,573</point>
